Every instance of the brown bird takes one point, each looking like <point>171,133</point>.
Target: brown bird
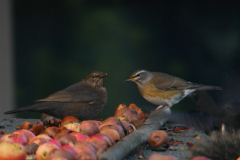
<point>83,100</point>
<point>163,89</point>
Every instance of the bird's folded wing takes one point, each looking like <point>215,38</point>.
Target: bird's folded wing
<point>164,82</point>
<point>88,95</point>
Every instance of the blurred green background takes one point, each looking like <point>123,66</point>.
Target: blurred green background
<point>58,43</point>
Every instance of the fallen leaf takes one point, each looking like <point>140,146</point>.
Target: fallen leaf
<point>183,148</point>
<point>180,129</point>
<point>189,144</point>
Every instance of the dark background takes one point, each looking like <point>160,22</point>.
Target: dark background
<point>58,43</point>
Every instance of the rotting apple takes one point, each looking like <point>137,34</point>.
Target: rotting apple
<point>70,148</point>
<point>15,138</point>
<point>157,138</point>
<point>73,127</point>
<point>12,151</point>
<point>86,146</point>
<point>89,127</point>
<point>80,136</point>
<point>103,138</point>
<point>38,141</point>
<point>62,152</point>
<point>28,134</point>
<point>44,149</point>
<point>157,156</point>
<point>66,139</point>
<point>120,106</point>
<point>55,142</point>
<point>118,128</point>
<point>69,119</point>
<point>111,133</point>
<point>86,155</point>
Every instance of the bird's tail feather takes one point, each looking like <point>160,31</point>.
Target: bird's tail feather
<point>29,108</point>
<point>206,87</point>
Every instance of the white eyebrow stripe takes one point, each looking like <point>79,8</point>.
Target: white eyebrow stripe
<point>139,72</point>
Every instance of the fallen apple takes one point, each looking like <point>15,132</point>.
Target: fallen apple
<point>70,148</point>
<point>69,119</point>
<point>44,149</point>
<point>157,156</point>
<point>38,141</point>
<point>86,155</point>
<point>89,128</point>
<point>73,127</point>
<point>62,152</point>
<point>157,138</point>
<point>80,136</point>
<point>12,151</point>
<point>66,139</point>
<point>28,134</point>
<point>111,133</point>
<point>15,138</point>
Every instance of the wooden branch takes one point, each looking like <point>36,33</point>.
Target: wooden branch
<point>129,143</point>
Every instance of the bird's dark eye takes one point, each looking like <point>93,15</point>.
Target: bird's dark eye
<point>137,75</point>
<point>93,77</point>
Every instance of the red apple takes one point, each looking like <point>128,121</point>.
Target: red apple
<point>44,149</point>
<point>51,131</point>
<point>98,123</point>
<point>43,136</point>
<point>111,121</point>
<point>38,141</point>
<point>120,106</point>
<point>157,156</point>
<point>118,128</point>
<point>111,133</point>
<point>85,146</point>
<point>202,158</point>
<point>70,148</point>
<point>127,112</point>
<point>73,127</point>
<point>12,151</point>
<point>86,155</point>
<point>69,119</point>
<point>103,138</point>
<point>37,127</point>
<point>15,138</point>
<point>100,144</point>
<point>28,134</point>
<point>62,152</point>
<point>58,158</point>
<point>137,109</point>
<point>128,126</point>
<point>66,139</point>
<point>89,127</point>
<point>31,148</point>
<point>157,138</point>
<point>80,136</point>
<point>55,142</point>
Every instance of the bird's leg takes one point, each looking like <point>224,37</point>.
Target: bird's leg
<point>223,129</point>
<point>165,109</point>
<point>162,107</point>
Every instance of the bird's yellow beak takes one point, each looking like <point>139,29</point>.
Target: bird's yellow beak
<point>103,75</point>
<point>130,79</point>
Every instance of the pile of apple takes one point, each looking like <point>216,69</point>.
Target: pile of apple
<point>70,140</point>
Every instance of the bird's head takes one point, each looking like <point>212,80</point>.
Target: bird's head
<point>95,78</point>
<point>140,77</point>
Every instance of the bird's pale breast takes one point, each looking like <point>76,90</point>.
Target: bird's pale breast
<point>157,97</point>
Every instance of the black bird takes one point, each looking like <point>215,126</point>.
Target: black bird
<point>83,100</point>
